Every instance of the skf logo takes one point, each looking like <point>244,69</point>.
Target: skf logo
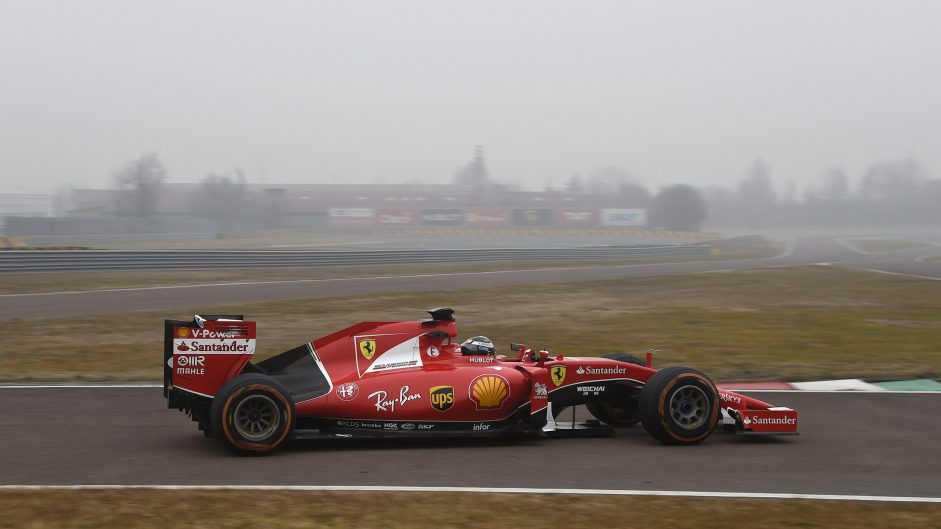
<point>489,391</point>
<point>558,374</point>
<point>183,332</point>
<point>367,348</point>
<point>442,397</point>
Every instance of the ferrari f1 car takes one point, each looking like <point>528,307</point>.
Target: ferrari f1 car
<point>405,379</point>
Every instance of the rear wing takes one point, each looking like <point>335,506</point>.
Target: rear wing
<point>202,354</point>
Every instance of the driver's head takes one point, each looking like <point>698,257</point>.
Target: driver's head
<point>478,345</point>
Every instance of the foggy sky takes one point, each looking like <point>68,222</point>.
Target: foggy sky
<point>394,91</point>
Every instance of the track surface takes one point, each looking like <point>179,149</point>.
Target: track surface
<point>850,443</point>
<point>806,251</point>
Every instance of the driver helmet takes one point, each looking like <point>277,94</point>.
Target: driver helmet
<point>478,345</point>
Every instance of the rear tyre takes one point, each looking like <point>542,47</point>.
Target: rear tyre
<point>623,413</point>
<point>252,414</point>
<point>679,405</point>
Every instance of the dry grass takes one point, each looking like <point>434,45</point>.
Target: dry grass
<point>795,323</point>
<point>374,510</point>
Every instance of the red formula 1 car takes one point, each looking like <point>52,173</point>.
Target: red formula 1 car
<point>404,379</point>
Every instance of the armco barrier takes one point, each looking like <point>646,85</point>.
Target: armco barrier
<point>55,260</point>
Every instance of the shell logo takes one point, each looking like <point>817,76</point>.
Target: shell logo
<point>489,391</point>
<point>183,332</point>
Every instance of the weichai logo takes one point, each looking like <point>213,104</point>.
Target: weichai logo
<point>442,397</point>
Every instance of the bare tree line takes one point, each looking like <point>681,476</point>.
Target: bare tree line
<point>889,191</point>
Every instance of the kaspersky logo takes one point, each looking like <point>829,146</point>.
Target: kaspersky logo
<point>442,397</point>
<point>557,374</point>
<point>367,348</point>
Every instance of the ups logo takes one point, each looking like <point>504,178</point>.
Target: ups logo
<point>442,397</point>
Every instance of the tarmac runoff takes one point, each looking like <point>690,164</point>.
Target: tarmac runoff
<point>855,446</point>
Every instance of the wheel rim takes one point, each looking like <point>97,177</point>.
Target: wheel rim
<point>689,407</point>
<point>257,417</point>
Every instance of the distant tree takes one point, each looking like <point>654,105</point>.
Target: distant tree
<point>757,193</point>
<point>756,187</point>
<point>836,187</point>
<point>894,183</point>
<point>139,181</point>
<point>632,194</point>
<point>574,184</point>
<point>929,196</point>
<point>618,185</point>
<point>474,174</point>
<point>678,207</point>
<point>607,180</point>
<point>222,197</point>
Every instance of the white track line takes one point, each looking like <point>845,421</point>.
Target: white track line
<point>483,490</point>
<point>844,241</point>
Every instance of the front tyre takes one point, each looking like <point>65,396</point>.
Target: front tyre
<point>252,414</point>
<point>679,405</point>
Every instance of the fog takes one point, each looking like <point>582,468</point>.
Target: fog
<point>389,92</point>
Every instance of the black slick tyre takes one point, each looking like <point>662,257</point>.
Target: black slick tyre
<point>252,414</point>
<point>618,414</point>
<point>679,405</point>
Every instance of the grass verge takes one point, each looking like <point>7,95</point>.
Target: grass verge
<point>251,509</point>
<point>793,323</point>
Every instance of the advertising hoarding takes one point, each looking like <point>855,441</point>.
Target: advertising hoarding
<point>442,217</point>
<point>351,216</point>
<point>397,217</point>
<point>623,217</point>
<point>576,217</point>
<point>532,217</point>
<point>487,217</point>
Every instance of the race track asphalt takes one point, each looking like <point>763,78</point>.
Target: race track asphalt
<point>850,443</point>
<point>205,298</point>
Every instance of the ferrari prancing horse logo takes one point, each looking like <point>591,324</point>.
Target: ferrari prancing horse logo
<point>558,374</point>
<point>367,348</point>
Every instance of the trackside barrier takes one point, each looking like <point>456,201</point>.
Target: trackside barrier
<point>54,260</point>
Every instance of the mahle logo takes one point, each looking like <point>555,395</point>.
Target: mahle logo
<point>367,348</point>
<point>558,374</point>
<point>442,397</point>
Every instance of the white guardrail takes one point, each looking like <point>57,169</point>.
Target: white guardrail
<point>68,260</point>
